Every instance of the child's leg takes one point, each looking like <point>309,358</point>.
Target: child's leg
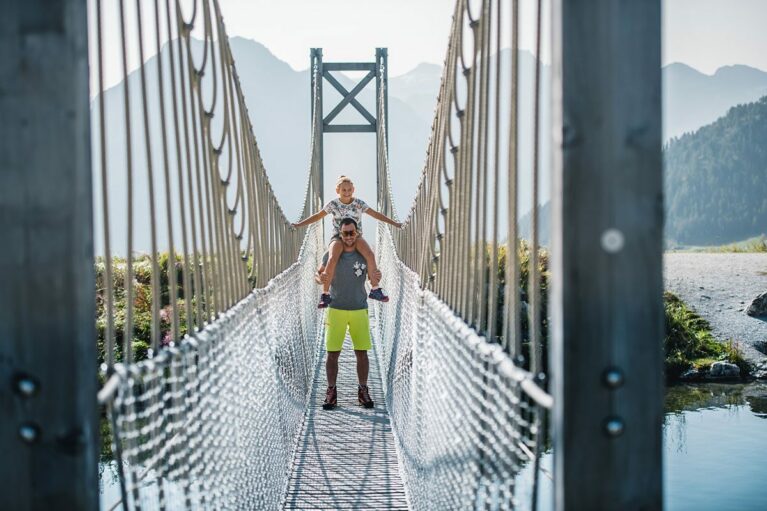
<point>335,249</point>
<point>365,251</point>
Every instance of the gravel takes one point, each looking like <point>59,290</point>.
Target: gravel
<point>720,287</point>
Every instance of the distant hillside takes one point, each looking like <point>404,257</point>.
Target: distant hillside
<point>278,102</point>
<point>716,179</point>
<point>692,99</point>
<point>544,225</point>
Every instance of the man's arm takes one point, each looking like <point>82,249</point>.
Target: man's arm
<point>383,218</point>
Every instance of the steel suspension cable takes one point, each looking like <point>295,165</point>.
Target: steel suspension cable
<point>186,319</point>
<point>451,241</point>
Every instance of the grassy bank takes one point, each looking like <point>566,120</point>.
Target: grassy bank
<point>757,244</point>
<point>689,343</point>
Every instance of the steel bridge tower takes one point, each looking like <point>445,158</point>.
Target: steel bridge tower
<point>377,71</point>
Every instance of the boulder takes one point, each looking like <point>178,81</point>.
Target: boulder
<point>760,370</point>
<point>691,375</point>
<point>758,307</point>
<point>724,370</point>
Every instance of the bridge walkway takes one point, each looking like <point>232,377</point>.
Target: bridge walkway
<point>346,458</point>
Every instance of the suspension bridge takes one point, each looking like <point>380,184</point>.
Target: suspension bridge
<point>505,375</point>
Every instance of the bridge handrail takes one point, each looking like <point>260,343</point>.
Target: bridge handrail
<point>453,233</point>
<point>204,173</point>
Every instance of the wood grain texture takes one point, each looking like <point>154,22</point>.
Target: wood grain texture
<point>607,298</point>
<point>47,300</point>
<point>346,458</point>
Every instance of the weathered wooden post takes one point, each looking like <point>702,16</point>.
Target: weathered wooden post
<point>48,384</point>
<point>607,249</point>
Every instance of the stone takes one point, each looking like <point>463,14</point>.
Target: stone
<point>691,375</point>
<point>724,370</point>
<point>760,371</point>
<point>758,307</point>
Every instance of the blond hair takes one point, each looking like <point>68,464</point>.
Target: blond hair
<point>343,179</point>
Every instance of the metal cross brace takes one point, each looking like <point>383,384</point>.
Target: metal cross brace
<point>348,97</point>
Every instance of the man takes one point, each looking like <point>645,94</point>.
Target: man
<point>349,309</point>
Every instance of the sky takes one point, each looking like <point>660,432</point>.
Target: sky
<point>705,34</point>
<point>414,31</point>
<point>709,34</point>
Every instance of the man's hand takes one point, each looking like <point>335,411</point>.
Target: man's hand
<point>323,278</point>
<point>377,275</point>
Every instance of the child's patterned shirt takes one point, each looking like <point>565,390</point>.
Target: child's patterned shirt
<point>338,210</point>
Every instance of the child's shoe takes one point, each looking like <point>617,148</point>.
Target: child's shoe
<point>378,294</point>
<point>325,301</point>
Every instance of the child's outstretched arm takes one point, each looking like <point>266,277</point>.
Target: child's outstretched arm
<point>310,220</point>
<point>383,218</point>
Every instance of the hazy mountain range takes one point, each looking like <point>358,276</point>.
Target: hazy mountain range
<point>692,99</point>
<point>716,179</point>
<point>278,100</point>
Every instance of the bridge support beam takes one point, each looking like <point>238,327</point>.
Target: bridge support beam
<point>607,312</point>
<point>377,70</point>
<point>48,382</point>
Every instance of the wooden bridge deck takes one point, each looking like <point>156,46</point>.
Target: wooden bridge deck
<point>346,457</point>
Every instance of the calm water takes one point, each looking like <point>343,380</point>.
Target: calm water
<point>715,452</point>
<point>715,447</point>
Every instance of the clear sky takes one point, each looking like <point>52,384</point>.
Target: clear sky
<point>708,34</point>
<point>414,31</point>
<point>705,34</point>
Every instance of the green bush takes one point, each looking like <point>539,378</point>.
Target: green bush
<point>142,304</point>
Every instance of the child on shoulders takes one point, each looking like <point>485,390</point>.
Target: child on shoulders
<point>348,206</point>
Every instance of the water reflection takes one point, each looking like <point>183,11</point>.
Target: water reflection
<point>715,444</point>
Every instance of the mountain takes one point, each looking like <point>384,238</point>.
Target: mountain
<point>418,88</point>
<point>278,98</point>
<point>716,179</point>
<point>278,102</point>
<point>544,225</point>
<point>692,99</point>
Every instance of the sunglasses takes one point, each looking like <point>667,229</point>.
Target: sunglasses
<point>348,233</point>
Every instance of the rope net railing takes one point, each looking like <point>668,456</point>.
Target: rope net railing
<point>462,341</point>
<point>212,423</point>
<point>205,299</point>
<point>468,422</point>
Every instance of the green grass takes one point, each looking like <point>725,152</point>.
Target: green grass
<point>689,342</point>
<point>751,245</point>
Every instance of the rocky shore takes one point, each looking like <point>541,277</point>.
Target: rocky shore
<point>721,287</point>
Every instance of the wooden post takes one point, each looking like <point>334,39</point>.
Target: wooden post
<point>48,380</point>
<point>607,312</point>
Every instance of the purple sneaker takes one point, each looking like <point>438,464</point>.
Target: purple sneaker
<point>378,294</point>
<point>324,301</point>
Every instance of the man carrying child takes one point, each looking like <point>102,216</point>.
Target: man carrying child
<point>348,309</point>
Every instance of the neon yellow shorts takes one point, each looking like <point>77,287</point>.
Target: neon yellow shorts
<point>336,323</point>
